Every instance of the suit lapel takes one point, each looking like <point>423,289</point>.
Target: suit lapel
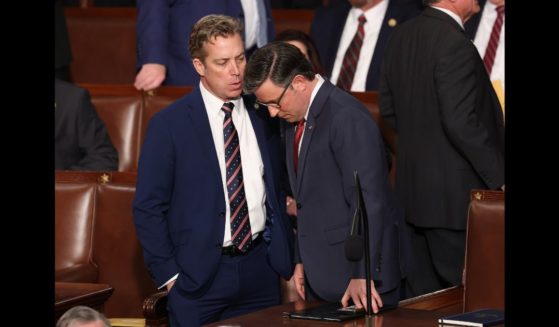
<point>289,139</point>
<point>200,123</point>
<point>311,125</point>
<point>339,20</point>
<point>261,137</point>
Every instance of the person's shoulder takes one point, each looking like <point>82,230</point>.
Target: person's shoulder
<point>67,87</point>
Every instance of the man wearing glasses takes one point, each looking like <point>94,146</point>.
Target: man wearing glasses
<point>330,136</point>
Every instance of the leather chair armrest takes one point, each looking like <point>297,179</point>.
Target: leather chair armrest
<point>79,273</point>
<point>155,309</point>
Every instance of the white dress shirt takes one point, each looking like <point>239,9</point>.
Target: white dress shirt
<point>253,168</point>
<point>313,95</point>
<point>372,27</point>
<point>488,16</point>
<point>253,22</point>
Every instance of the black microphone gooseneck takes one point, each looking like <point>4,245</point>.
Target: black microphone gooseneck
<point>355,243</point>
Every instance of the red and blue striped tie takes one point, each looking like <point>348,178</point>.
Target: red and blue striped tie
<point>241,235</point>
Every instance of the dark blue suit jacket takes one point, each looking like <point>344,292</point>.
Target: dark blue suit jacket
<point>163,30</point>
<point>327,28</point>
<point>340,137</point>
<point>179,207</point>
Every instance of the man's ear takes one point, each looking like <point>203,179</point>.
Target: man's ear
<point>299,83</point>
<point>199,66</point>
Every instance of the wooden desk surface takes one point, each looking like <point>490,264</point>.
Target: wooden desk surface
<point>68,295</point>
<point>273,317</point>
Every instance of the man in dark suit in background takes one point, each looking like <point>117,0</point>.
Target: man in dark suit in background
<point>340,137</point>
<point>62,51</point>
<point>81,141</point>
<point>164,26</point>
<point>435,92</point>
<point>208,209</point>
<point>334,27</point>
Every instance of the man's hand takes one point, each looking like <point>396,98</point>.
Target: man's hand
<point>170,285</point>
<point>356,290</point>
<point>291,206</point>
<point>299,279</point>
<point>150,77</point>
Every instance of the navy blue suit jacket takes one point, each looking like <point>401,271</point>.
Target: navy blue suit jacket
<point>179,207</point>
<point>328,25</point>
<point>340,137</point>
<point>164,27</point>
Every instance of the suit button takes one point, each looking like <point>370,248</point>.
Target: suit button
<point>218,245</point>
<point>222,214</point>
<point>298,205</point>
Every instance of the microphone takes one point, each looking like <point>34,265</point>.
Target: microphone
<point>355,244</point>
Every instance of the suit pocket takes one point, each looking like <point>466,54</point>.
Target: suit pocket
<point>336,234</point>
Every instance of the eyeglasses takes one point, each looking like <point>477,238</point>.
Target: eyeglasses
<point>276,103</point>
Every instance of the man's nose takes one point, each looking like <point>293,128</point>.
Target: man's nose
<point>273,111</point>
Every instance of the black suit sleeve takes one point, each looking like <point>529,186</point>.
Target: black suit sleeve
<point>93,140</point>
<point>456,78</point>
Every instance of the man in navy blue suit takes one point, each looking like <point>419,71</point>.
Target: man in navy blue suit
<point>330,136</point>
<point>164,26</point>
<point>208,209</point>
<point>334,27</point>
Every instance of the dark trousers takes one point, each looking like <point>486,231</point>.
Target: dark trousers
<point>437,259</point>
<point>242,284</point>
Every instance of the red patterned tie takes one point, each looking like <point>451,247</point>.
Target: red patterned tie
<point>298,135</point>
<point>241,235</point>
<point>491,50</point>
<point>351,57</point>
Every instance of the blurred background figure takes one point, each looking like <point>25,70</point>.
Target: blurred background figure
<point>163,29</point>
<point>62,52</point>
<point>82,316</point>
<point>487,29</point>
<point>81,141</point>
<point>304,42</point>
<point>341,35</point>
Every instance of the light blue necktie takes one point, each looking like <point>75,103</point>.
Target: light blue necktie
<point>262,33</point>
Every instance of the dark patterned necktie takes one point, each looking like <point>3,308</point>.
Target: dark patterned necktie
<point>351,57</point>
<point>298,135</point>
<point>241,235</point>
<point>493,44</point>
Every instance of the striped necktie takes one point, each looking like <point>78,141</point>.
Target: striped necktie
<point>241,235</point>
<point>351,57</point>
<point>493,44</point>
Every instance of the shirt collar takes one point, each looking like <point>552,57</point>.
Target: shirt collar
<point>213,103</point>
<point>451,14</point>
<point>314,92</point>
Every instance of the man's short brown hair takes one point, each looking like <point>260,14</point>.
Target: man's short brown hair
<point>208,28</point>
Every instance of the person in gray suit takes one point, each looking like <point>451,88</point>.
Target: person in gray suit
<point>335,136</point>
<point>436,94</point>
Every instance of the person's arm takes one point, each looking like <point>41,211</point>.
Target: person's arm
<point>152,201</point>
<point>357,145</point>
<point>386,104</point>
<point>152,31</point>
<point>457,85</point>
<point>93,140</point>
